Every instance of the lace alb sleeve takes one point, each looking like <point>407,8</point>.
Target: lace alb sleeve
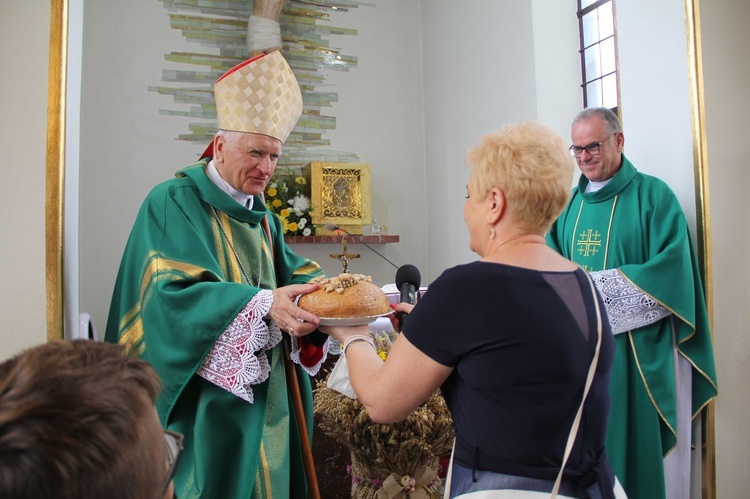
<point>238,359</point>
<point>627,306</point>
<point>294,355</point>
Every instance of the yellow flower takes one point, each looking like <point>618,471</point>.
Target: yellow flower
<point>276,203</point>
<point>293,227</point>
<point>284,224</point>
<point>272,191</point>
<point>284,213</point>
<point>382,354</point>
<point>300,180</point>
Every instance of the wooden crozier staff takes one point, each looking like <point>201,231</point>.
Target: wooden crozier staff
<point>313,491</point>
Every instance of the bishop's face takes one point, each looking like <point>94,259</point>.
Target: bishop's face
<point>602,166</point>
<point>246,160</point>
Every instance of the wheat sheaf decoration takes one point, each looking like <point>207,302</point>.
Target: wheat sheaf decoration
<point>399,460</point>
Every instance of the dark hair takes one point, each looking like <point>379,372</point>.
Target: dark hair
<point>70,424</point>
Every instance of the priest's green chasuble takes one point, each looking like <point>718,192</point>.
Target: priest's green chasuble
<point>635,225</point>
<point>193,262</point>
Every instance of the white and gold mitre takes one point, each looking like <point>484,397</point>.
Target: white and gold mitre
<point>260,95</point>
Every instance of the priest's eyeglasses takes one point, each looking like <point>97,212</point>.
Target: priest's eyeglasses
<point>593,148</point>
<point>173,443</point>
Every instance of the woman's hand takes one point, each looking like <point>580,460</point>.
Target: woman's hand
<point>341,333</point>
<point>399,311</point>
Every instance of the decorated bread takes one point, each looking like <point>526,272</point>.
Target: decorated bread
<point>345,296</point>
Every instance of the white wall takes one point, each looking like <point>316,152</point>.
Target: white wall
<point>478,72</point>
<point>24,49</point>
<point>558,68</point>
<point>727,98</point>
<point>485,67</point>
<point>379,117</point>
<point>654,88</point>
<point>126,146</point>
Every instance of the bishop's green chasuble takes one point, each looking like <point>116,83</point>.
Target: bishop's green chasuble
<point>636,225</point>
<point>180,285</point>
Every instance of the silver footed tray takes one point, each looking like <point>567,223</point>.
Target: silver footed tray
<point>350,321</point>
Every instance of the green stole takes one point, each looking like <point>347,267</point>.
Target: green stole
<point>173,298</point>
<point>635,224</point>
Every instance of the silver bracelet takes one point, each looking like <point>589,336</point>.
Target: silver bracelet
<point>356,338</point>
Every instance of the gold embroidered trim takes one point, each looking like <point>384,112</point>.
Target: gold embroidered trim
<point>648,391</point>
<point>157,268</point>
<point>606,240</point>
<point>674,332</point>
<point>264,469</point>
<point>609,230</point>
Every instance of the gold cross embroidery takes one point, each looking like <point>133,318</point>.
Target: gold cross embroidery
<point>589,242</point>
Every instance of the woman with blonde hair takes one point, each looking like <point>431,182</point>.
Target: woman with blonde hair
<point>511,339</point>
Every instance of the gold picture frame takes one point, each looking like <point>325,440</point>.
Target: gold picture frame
<point>340,195</point>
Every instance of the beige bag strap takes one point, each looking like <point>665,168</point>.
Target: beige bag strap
<point>589,380</point>
<point>447,490</point>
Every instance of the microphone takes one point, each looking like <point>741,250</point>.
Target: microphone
<point>333,227</point>
<point>408,280</point>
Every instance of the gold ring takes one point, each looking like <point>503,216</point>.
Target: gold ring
<point>290,330</point>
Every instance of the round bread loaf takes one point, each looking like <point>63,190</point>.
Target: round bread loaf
<point>345,296</point>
